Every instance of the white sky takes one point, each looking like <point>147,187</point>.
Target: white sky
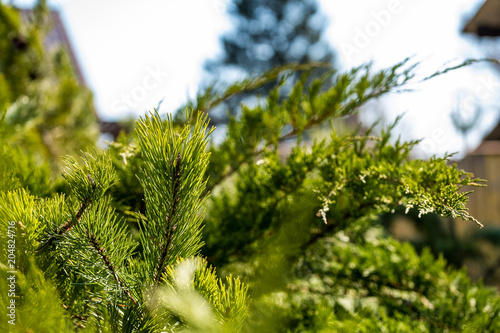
<point>135,53</point>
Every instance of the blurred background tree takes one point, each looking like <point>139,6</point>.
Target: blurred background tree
<point>46,109</point>
<point>273,33</point>
<point>267,34</point>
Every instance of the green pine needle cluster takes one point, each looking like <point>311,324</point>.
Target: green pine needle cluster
<point>106,279</point>
<point>173,180</point>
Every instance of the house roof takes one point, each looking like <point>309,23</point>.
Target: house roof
<point>490,144</point>
<point>486,22</point>
<point>59,34</point>
<point>494,134</point>
<point>487,148</point>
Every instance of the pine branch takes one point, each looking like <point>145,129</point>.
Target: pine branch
<point>107,262</point>
<point>76,316</point>
<point>68,225</point>
<point>61,230</point>
<point>173,181</point>
<point>169,232</point>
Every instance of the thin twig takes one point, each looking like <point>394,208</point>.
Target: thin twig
<point>171,226</point>
<point>107,262</point>
<point>294,132</point>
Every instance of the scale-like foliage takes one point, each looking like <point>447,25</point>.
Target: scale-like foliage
<point>383,284</point>
<point>297,227</point>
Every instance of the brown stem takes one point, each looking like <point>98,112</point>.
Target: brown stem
<point>171,226</point>
<point>68,225</point>
<point>71,223</point>
<point>64,228</point>
<point>80,318</point>
<point>107,262</point>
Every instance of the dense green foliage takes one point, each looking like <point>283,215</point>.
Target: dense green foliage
<point>121,252</point>
<point>85,249</point>
<point>268,208</point>
<point>381,284</point>
<point>45,107</point>
<point>128,238</point>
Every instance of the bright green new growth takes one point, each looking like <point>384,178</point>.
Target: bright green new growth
<point>114,244</point>
<point>229,301</point>
<point>104,278</point>
<point>173,181</point>
<point>119,246</point>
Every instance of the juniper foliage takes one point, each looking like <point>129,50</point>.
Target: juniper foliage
<point>124,250</point>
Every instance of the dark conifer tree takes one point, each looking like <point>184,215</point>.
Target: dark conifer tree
<point>273,33</point>
<point>268,34</point>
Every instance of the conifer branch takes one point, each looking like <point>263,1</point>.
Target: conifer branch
<point>68,225</point>
<point>348,107</point>
<point>83,207</point>
<point>107,262</point>
<point>171,226</point>
<point>76,316</point>
<point>209,99</point>
<point>61,230</point>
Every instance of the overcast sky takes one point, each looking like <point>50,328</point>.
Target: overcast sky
<point>136,53</point>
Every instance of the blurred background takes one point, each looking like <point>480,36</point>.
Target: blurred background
<point>132,55</point>
<point>135,56</point>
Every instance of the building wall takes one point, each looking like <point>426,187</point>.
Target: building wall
<point>484,203</point>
